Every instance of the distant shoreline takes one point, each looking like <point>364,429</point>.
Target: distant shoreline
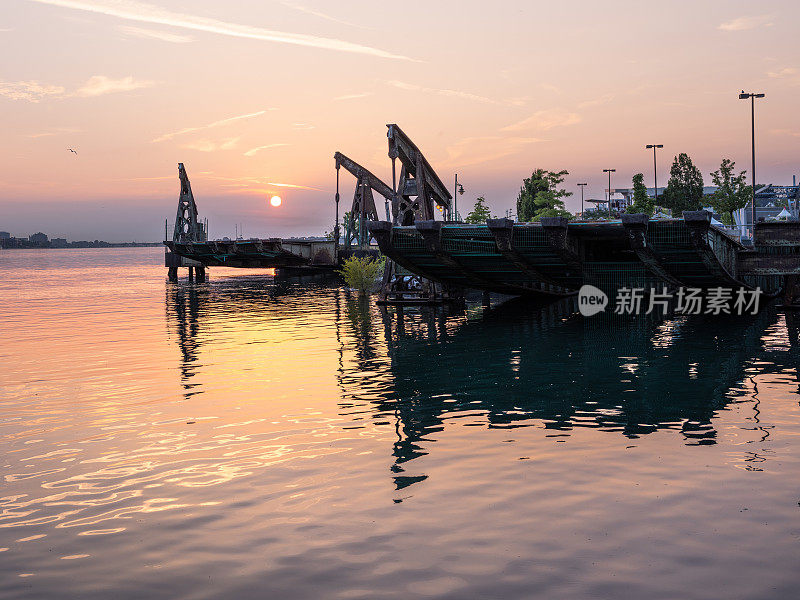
<point>86,245</point>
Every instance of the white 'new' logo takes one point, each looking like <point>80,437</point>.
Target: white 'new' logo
<point>591,300</point>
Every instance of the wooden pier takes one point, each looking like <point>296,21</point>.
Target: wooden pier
<point>556,257</point>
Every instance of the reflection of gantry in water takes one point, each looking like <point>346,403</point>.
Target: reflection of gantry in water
<point>413,198</point>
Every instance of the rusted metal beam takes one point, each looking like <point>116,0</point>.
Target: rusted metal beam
<point>382,232</point>
<point>503,232</point>
<point>418,180</point>
<point>757,263</point>
<point>636,228</point>
<point>401,146</point>
<point>431,232</point>
<point>187,228</point>
<point>784,233</point>
<point>363,174</point>
<point>558,236</point>
<point>698,223</point>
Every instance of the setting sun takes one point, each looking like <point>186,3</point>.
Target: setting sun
<point>275,201</point>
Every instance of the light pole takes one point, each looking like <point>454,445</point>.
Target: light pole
<point>655,169</point>
<point>609,171</point>
<point>752,96</point>
<point>457,189</point>
<point>583,185</point>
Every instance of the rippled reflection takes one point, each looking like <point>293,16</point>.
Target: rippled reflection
<point>284,434</point>
<point>520,366</point>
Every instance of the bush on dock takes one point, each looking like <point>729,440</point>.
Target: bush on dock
<point>361,273</point>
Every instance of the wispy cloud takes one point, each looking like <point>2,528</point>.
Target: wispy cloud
<point>294,186</point>
<point>352,96</point>
<point>5,29</point>
<point>54,131</point>
<point>303,126</point>
<point>169,136</point>
<point>268,187</point>
<point>31,91</point>
<point>249,182</point>
<point>476,150</point>
<point>452,93</point>
<point>745,23</point>
<point>99,85</point>
<point>321,15</point>
<point>253,151</point>
<point>787,73</point>
<point>788,132</point>
<point>545,119</point>
<point>155,34</point>
<point>604,99</point>
<point>211,146</point>
<point>142,12</point>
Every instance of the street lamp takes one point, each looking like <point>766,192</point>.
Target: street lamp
<point>583,185</point>
<point>609,171</point>
<point>744,96</point>
<point>457,189</point>
<point>655,170</point>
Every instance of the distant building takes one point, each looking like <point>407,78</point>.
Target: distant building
<point>58,243</point>
<point>38,238</point>
<point>4,235</point>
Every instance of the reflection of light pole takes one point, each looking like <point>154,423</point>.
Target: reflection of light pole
<point>655,171</point>
<point>583,185</point>
<point>609,171</point>
<point>745,96</point>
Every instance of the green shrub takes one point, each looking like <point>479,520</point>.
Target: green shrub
<point>360,273</point>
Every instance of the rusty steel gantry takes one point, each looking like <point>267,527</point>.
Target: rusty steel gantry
<point>419,188</point>
<point>413,198</point>
<point>363,208</point>
<point>187,229</point>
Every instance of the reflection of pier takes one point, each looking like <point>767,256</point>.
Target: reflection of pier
<point>522,367</point>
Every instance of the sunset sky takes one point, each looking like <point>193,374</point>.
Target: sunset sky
<point>255,96</point>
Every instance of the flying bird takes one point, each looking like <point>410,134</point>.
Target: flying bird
<point>71,150</point>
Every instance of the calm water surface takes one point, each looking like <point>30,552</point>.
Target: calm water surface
<point>261,438</point>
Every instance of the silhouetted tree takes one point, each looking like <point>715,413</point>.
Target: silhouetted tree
<point>540,196</point>
<point>479,213</point>
<point>684,190</point>
<point>732,192</point>
<point>642,203</point>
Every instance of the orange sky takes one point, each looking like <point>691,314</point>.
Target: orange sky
<point>254,95</point>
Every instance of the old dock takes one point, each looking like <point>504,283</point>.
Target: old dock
<point>435,260</point>
<point>191,248</point>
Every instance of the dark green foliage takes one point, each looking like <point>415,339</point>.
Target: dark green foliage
<point>540,196</point>
<point>360,273</point>
<point>642,203</point>
<point>479,213</point>
<point>684,190</point>
<point>732,193</point>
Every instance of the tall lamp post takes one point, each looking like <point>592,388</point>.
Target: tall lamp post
<point>609,171</point>
<point>583,185</point>
<point>457,189</point>
<point>744,96</point>
<point>655,169</point>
